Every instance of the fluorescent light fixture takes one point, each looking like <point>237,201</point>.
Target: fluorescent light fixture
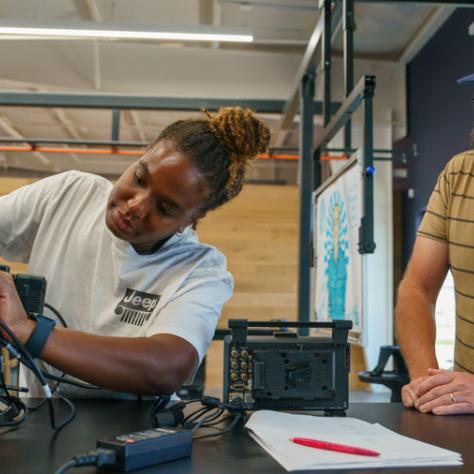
<point>90,30</point>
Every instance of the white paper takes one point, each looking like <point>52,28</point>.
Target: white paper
<point>273,431</point>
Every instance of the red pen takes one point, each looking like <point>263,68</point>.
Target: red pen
<point>341,448</point>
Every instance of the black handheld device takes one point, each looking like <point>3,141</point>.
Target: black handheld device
<point>285,371</point>
<point>31,289</point>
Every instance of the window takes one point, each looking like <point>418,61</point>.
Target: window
<point>445,324</point>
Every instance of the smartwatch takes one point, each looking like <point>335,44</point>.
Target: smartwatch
<point>40,334</point>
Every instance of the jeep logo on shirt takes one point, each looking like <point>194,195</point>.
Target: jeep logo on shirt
<point>136,307</point>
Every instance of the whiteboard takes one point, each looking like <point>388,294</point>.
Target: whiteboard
<point>340,270</point>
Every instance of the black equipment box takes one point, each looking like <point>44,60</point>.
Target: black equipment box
<point>147,448</point>
<point>31,289</point>
<point>285,371</point>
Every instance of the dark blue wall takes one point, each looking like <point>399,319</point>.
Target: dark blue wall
<point>440,112</point>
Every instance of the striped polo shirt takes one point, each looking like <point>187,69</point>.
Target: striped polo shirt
<point>450,218</point>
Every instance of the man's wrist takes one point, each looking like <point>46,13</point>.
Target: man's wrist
<point>421,372</point>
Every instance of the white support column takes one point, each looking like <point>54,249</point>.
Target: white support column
<point>90,10</point>
<point>137,124</point>
<point>61,117</point>
<point>216,19</point>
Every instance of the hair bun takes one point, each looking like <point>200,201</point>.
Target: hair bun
<point>241,133</point>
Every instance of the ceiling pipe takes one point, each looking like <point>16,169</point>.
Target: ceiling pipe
<point>121,152</point>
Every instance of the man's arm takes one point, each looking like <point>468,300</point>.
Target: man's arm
<point>414,312</point>
<point>144,365</point>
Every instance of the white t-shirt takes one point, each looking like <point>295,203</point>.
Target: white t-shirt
<point>98,282</point>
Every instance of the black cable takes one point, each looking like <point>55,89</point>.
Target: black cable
<point>98,457</point>
<point>194,400</point>
<point>65,467</point>
<point>57,313</point>
<point>237,418</point>
<point>210,415</point>
<point>206,421</point>
<point>31,364</point>
<point>195,415</point>
<point>14,388</point>
<point>14,405</point>
<point>67,419</point>
<point>218,422</point>
<point>63,375</point>
<point>22,412</point>
<point>63,379</point>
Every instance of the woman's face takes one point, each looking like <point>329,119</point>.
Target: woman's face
<point>155,197</point>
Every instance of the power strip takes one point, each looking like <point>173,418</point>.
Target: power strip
<point>147,448</point>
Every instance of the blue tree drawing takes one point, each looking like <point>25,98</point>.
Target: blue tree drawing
<point>335,256</point>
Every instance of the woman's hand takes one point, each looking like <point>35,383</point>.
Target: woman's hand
<point>12,312</point>
<point>446,393</point>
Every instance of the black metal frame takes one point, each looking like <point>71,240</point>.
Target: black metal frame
<point>117,103</point>
<point>363,92</point>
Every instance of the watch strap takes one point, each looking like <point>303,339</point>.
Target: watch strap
<point>40,334</point>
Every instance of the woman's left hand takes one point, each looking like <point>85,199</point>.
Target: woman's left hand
<point>446,393</point>
<point>12,312</point>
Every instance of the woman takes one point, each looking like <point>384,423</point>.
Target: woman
<point>140,295</point>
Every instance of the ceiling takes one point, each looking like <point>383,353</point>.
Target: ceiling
<point>264,69</point>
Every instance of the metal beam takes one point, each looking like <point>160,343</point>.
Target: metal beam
<point>326,60</point>
<point>365,86</point>
<point>311,57</point>
<point>111,101</point>
<point>366,242</point>
<point>451,3</point>
<point>64,141</point>
<point>306,188</point>
<point>291,6</point>
<point>348,27</point>
<point>137,102</point>
<point>115,124</point>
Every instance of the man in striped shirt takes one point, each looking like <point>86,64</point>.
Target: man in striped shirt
<point>445,241</point>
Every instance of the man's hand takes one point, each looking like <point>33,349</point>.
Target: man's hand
<point>409,392</point>
<point>12,312</point>
<point>446,393</point>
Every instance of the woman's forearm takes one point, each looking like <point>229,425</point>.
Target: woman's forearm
<point>144,365</point>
